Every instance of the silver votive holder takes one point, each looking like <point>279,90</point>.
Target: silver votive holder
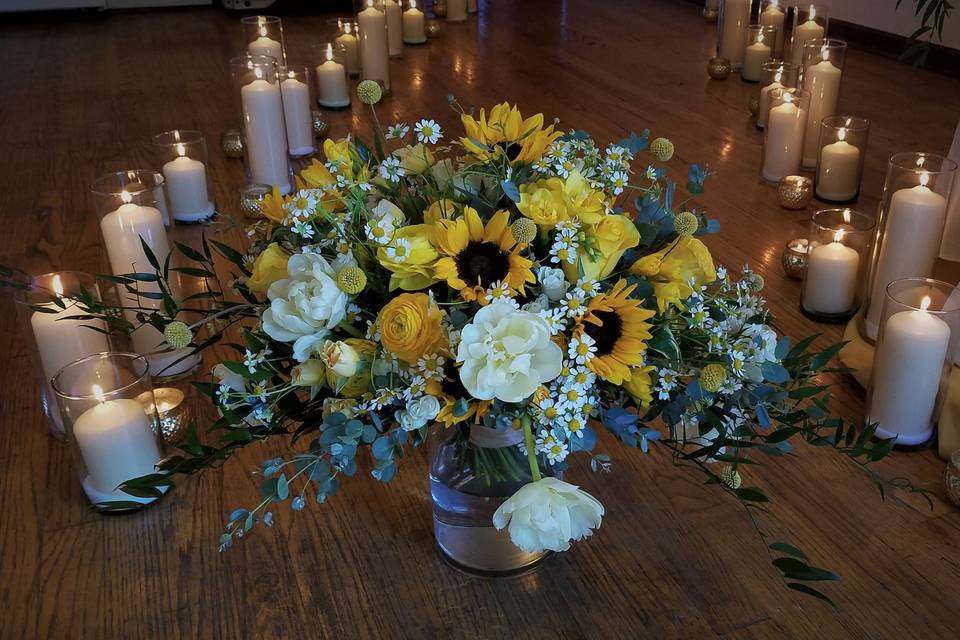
<point>795,192</point>
<point>794,258</point>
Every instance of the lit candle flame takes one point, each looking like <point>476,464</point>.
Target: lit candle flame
<point>787,98</point>
<point>413,4</point>
<point>57,286</point>
<point>813,12</point>
<point>98,393</point>
<point>291,74</point>
<point>846,216</point>
<point>370,3</point>
<point>176,135</point>
<point>340,23</point>
<point>329,51</point>
<point>842,134</point>
<point>126,197</point>
<point>925,303</point>
<point>263,31</point>
<point>773,4</point>
<point>180,150</point>
<point>924,178</point>
<point>838,235</point>
<point>849,121</point>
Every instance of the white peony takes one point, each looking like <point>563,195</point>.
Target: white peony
<point>507,353</point>
<point>548,514</point>
<point>553,282</point>
<point>305,305</point>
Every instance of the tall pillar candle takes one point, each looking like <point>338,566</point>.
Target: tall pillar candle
<point>394,27</point>
<point>754,57</point>
<point>297,116</point>
<point>266,135</point>
<point>332,91</point>
<point>783,144</point>
<point>413,25</point>
<point>838,171</point>
<point>765,100</point>
<point>810,29</point>
<point>772,15</point>
<point>735,18</point>
<point>347,42</point>
<point>374,53</point>
<point>822,82</point>
<point>456,10</point>
<point>830,283</point>
<point>186,180</point>
<point>266,46</point>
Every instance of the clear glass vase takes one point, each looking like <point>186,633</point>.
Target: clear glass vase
<point>465,499</point>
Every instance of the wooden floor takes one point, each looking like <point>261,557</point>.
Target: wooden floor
<point>674,559</point>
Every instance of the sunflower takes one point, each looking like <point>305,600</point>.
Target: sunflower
<point>450,391</point>
<point>474,256</point>
<point>506,132</point>
<point>618,325</point>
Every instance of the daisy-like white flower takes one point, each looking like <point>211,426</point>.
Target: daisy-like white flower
<point>618,182</point>
<point>499,291</point>
<point>399,250</point>
<point>259,392</point>
<point>431,366</point>
<point>398,131</point>
<point>572,397</point>
<point>574,427</point>
<point>574,304</point>
<point>380,231</point>
<point>565,166</point>
<point>549,411</point>
<point>263,412</point>
<point>737,360</point>
<point>651,173</point>
<point>589,286</point>
<point>568,228</point>
<point>428,131</point>
<point>556,319</point>
<point>550,444</point>
<point>303,229</point>
<point>582,375</point>
<point>582,349</point>
<point>666,383</point>
<point>617,154</point>
<point>382,398</point>
<point>416,388</point>
<point>391,170</point>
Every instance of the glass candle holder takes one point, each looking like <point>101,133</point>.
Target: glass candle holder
<point>333,89</point>
<point>910,223</point>
<point>295,90</point>
<point>394,27</point>
<point>413,24</point>
<point>773,13</point>
<point>837,258</point>
<point>264,37</point>
<point>250,198</point>
<point>344,37</point>
<point>919,328</point>
<point>456,10</point>
<point>775,75</point>
<point>810,22</point>
<point>822,71</point>
<point>114,436</point>
<point>732,31</point>
<point>760,41</point>
<point>129,219</point>
<point>843,146</point>
<point>374,42</point>
<point>257,86</point>
<point>47,309</point>
<point>182,157</point>
<point>783,133</point>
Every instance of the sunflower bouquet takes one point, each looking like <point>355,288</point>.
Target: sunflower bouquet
<point>519,282</point>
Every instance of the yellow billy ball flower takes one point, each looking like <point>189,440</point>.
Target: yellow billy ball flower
<point>712,377</point>
<point>177,334</point>
<point>369,92</point>
<point>686,224</point>
<point>661,149</point>
<point>758,283</point>
<point>524,230</point>
<point>351,280</point>
<point>731,478</point>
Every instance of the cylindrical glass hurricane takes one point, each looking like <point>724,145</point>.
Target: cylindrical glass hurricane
<point>47,309</point>
<point>773,13</point>
<point>344,37</point>
<point>760,41</point>
<point>182,157</point>
<point>822,71</point>
<point>810,22</point>
<point>264,37</point>
<point>114,436</point>
<point>374,42</point>
<point>919,329</point>
<point>394,27</point>
<point>330,67</point>
<point>783,133</point>
<point>843,147</point>
<point>295,83</point>
<point>910,223</point>
<point>259,98</point>
<point>464,500</point>
<point>456,10</point>
<point>837,259</point>
<point>775,75</point>
<point>129,219</point>
<point>732,31</point>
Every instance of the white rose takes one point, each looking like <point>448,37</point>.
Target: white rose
<point>538,305</point>
<point>340,358</point>
<point>548,514</point>
<point>305,305</point>
<point>553,282</point>
<point>391,213</point>
<point>406,421</point>
<point>507,354</point>
<point>424,409</point>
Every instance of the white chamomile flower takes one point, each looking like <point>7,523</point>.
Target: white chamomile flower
<point>565,166</point>
<point>582,349</point>
<point>549,411</point>
<point>416,388</point>
<point>582,376</point>
<point>499,291</point>
<point>303,205</point>
<point>651,173</point>
<point>589,286</point>
<point>555,449</point>
<point>737,360</point>
<point>391,170</point>
<point>399,250</point>
<point>574,304</point>
<point>618,182</point>
<point>431,366</point>
<point>617,154</point>
<point>303,229</point>
<point>556,319</point>
<point>380,231</point>
<point>574,427</point>
<point>398,131</point>
<point>572,396</point>
<point>666,383</point>
<point>428,131</point>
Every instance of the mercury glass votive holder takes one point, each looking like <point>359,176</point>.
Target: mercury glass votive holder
<point>837,259</point>
<point>182,157</point>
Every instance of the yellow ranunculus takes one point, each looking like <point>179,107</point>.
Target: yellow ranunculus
<point>673,268</point>
<point>270,266</point>
<point>611,237</point>
<point>639,385</point>
<point>415,272</point>
<point>359,382</point>
<point>441,210</point>
<point>542,202</point>
<point>410,326</point>
<point>415,159</point>
<point>272,206</point>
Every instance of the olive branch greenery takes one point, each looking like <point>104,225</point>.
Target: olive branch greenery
<point>933,14</point>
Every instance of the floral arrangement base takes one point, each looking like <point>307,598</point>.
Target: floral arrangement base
<point>483,551</point>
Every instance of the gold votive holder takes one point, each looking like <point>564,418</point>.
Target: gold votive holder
<point>320,126</point>
<point>795,192</point>
<point>251,196</point>
<point>794,258</point>
<point>718,68</point>
<point>173,409</point>
<point>231,143</point>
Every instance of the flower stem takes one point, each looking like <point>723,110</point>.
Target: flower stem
<point>531,449</point>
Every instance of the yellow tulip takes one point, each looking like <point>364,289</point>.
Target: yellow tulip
<point>339,152</point>
<point>272,206</point>
<point>270,266</point>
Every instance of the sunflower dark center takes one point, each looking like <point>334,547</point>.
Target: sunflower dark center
<point>606,335</point>
<point>483,261</point>
<point>512,149</point>
<point>451,385</point>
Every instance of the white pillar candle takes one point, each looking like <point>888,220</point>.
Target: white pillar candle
<point>754,57</point>
<point>413,21</point>
<point>911,240</point>
<point>906,375</point>
<point>773,16</point>
<point>61,341</point>
<point>266,46</point>
<point>187,185</point>
<point>296,115</point>
<point>808,30</point>
<point>332,88</point>
<point>266,135</point>
<point>765,99</point>
<point>117,444</point>
<point>784,142</point>
<point>831,280</point>
<point>374,55</point>
<point>456,10</point>
<point>822,82</point>
<point>394,27</point>
<point>347,41</point>
<point>838,172</point>
<point>733,37</point>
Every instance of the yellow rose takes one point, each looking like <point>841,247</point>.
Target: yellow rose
<point>272,206</point>
<point>270,266</point>
<point>612,236</point>
<point>542,202</point>
<point>582,201</point>
<point>415,159</point>
<point>410,326</point>
<point>639,385</point>
<point>359,383</point>
<point>441,210</point>
<point>309,374</point>
<point>415,270</point>
<point>673,268</point>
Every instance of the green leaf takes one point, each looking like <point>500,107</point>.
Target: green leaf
<point>229,253</point>
<point>148,252</point>
<point>810,591</point>
<point>751,494</point>
<point>795,569</point>
<point>190,252</point>
<point>783,547</point>
<point>283,489</point>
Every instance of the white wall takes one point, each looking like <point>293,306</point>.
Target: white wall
<point>880,14</point>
